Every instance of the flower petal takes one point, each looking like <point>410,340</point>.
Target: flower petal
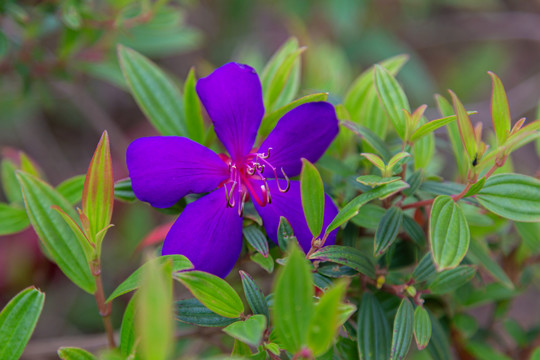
<point>289,205</point>
<point>208,233</point>
<point>304,132</point>
<point>232,96</point>
<point>163,169</point>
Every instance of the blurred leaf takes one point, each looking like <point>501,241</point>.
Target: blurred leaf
<point>449,233</point>
<point>70,14</point>
<point>479,255</point>
<point>370,137</point>
<point>72,189</point>
<point>254,295</point>
<point>123,190</point>
<point>403,330</point>
<point>312,191</point>
<point>12,219</point>
<point>500,112</point>
<point>423,150</point>
<point>73,353</point>
<point>157,96</point>
<point>325,324</point>
<point>293,301</point>
<point>192,105</point>
<point>393,98</point>
<point>483,351</point>
<point>466,130</point>
<point>242,350</point>
<point>512,196</point>
<point>431,126</point>
<point>422,327</point>
<point>9,182</point>
<point>179,263</point>
<point>285,233</point>
<point>192,311</point>
<point>154,324</point>
<point>387,230</point>
<point>214,292</point>
<point>530,235</point>
<point>373,330</point>
<point>4,45</point>
<point>18,320</point>
<point>347,256</point>
<point>438,347</point>
<point>257,239</point>
<point>127,329</point>
<point>415,231</point>
<point>249,331</point>
<point>54,233</point>
<point>449,280</point>
<point>425,269</point>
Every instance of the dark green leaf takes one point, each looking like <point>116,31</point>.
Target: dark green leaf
<point>370,137</point>
<point>449,280</point>
<point>192,311</point>
<point>348,256</point>
<point>422,327</point>
<point>425,270</point>
<point>414,181</point>
<point>373,330</point>
<point>414,230</point>
<point>257,239</point>
<point>123,190</point>
<point>479,255</point>
<point>285,233</point>
<point>387,230</point>
<point>392,97</point>
<point>438,347</point>
<point>403,330</point>
<point>254,295</point>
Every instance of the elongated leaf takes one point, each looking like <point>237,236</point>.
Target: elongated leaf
<point>500,112</point>
<point>54,233</point>
<point>254,295</point>
<point>18,320</point>
<point>249,331</point>
<point>154,324</point>
<point>285,234</point>
<point>430,127</point>
<point>392,97</point>
<point>414,230</point>
<point>449,233</point>
<point>351,209</point>
<point>375,160</point>
<point>388,230</point>
<point>479,255</point>
<point>9,182</point>
<point>325,321</point>
<point>512,196</point>
<point>449,280</point>
<point>155,93</point>
<point>293,301</point>
<point>312,193</point>
<point>83,240</point>
<point>425,270</point>
<point>267,263</point>
<point>414,181</point>
<point>192,106</point>
<point>72,189</point>
<point>370,137</point>
<point>214,292</point>
<point>127,329</point>
<point>373,331</point>
<point>438,347</point>
<point>192,311</point>
<point>12,219</point>
<point>347,256</point>
<point>423,150</point>
<point>375,180</point>
<point>422,327</point>
<point>179,263</point>
<point>73,353</point>
<point>257,239</point>
<point>466,130</point>
<point>403,330</point>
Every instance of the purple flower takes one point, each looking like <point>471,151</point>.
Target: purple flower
<point>164,169</point>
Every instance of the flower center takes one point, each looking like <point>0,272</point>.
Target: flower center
<point>244,177</point>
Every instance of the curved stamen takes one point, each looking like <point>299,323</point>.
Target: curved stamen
<point>288,182</point>
<point>228,195</point>
<point>263,156</point>
<point>242,203</point>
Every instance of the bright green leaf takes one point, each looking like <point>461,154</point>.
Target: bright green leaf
<point>127,329</point>
<point>12,219</point>
<point>249,331</point>
<point>430,127</point>
<point>72,188</point>
<point>192,106</point>
<point>422,327</point>
<point>500,112</point>
<point>466,130</point>
<point>312,193</point>
<point>73,353</point>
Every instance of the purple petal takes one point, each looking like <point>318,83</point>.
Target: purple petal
<point>289,205</point>
<point>163,169</point>
<point>304,132</point>
<point>232,96</point>
<point>208,233</point>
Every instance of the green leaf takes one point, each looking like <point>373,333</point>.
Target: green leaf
<point>70,14</point>
<point>214,292</point>
<point>11,187</point>
<point>387,230</point>
<point>430,127</point>
<point>375,180</point>
<point>72,189</point>
<point>285,233</point>
<point>449,280</point>
<point>392,97</point>
<point>423,150</point>
<point>403,330</point>
<point>98,191</point>
<point>373,334</point>
<point>425,269</point>
<point>325,322</point>
<point>127,329</point>
<point>18,320</point>
<point>347,256</point>
<point>73,353</point>
<point>12,219</point>
<point>449,233</point>
<point>351,209</point>
<point>192,106</point>
<point>267,263</point>
<point>192,311</point>
<point>242,350</point>
<point>500,112</point>
<point>422,327</point>
<point>55,235</point>
<point>123,190</point>
<point>254,295</point>
<point>529,233</point>
<point>179,263</point>
<point>312,193</point>
<point>466,130</point>
<point>370,137</point>
<point>414,181</point>
<point>4,45</point>
<point>155,93</point>
<point>249,331</point>
<point>438,347</point>
<point>476,187</point>
<point>512,196</point>
<point>415,231</point>
<point>479,255</point>
<point>257,239</point>
<point>293,304</point>
<point>154,324</point>
<point>89,251</point>
<point>376,161</point>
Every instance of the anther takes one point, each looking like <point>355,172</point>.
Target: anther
<point>263,156</point>
<point>228,195</point>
